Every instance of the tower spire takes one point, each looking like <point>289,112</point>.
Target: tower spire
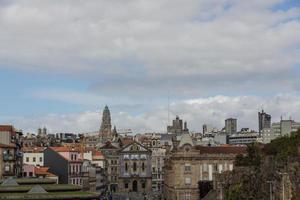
<point>105,128</point>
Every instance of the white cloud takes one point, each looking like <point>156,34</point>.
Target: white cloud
<point>156,40</point>
<point>212,110</point>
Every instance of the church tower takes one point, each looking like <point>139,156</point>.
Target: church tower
<point>105,128</point>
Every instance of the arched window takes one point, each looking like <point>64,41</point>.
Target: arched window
<point>134,166</point>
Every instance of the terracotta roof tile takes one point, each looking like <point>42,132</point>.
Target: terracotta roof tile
<point>222,150</point>
<point>8,128</point>
<point>33,149</point>
<point>64,149</point>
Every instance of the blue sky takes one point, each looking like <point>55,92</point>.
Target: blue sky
<point>62,62</point>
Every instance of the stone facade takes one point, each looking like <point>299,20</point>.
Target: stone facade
<point>105,128</point>
<point>188,165</point>
<point>111,165</point>
<point>135,169</point>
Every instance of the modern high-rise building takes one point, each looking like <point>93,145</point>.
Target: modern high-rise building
<point>231,126</point>
<point>264,121</point>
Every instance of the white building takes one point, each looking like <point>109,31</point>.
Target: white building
<point>33,156</point>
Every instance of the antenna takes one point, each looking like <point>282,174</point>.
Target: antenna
<point>168,107</point>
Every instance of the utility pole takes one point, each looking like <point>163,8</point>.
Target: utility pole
<point>271,191</point>
<point>283,187</point>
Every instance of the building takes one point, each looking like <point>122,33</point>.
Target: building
<point>8,167</point>
<point>10,147</point>
<point>31,171</point>
<point>33,156</point>
<point>106,132</point>
<point>69,169</point>
<point>157,164</point>
<point>282,128</point>
<point>231,126</point>
<point>135,169</point>
<point>111,166</point>
<point>207,128</point>
<point>178,127</point>
<point>189,166</point>
<point>264,121</point>
<point>243,139</point>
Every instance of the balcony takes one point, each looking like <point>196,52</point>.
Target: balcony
<point>8,157</point>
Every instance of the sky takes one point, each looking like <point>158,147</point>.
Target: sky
<point>62,61</point>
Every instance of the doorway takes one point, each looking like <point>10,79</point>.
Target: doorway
<point>134,186</point>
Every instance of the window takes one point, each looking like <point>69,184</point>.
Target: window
<point>187,167</point>
<point>143,167</point>
<point>30,174</point>
<point>216,167</point>
<point>27,159</point>
<point>126,167</point>
<point>71,156</point>
<point>144,185</point>
<point>33,159</point>
<point>188,181</point>
<point>187,196</point>
<point>205,167</point>
<point>41,159</point>
<point>153,169</point>
<point>134,166</point>
<point>126,185</point>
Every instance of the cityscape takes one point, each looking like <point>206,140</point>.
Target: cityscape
<point>175,164</point>
<point>149,100</point>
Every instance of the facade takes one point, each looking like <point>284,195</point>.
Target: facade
<point>282,128</point>
<point>106,132</point>
<point>188,166</point>
<point>157,163</point>
<point>264,121</point>
<point>111,165</point>
<point>243,139</point>
<point>8,167</point>
<point>178,127</point>
<point>135,169</point>
<point>69,169</point>
<point>231,126</point>
<point>33,156</point>
<point>11,155</point>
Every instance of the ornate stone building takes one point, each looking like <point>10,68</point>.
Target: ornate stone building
<point>188,166</point>
<point>105,128</point>
<point>135,168</point>
<point>111,165</point>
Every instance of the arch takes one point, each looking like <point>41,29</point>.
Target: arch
<point>134,186</point>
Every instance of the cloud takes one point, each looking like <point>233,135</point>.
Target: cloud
<point>145,47</point>
<point>212,110</point>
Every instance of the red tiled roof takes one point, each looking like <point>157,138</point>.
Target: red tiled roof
<point>7,145</point>
<point>8,128</point>
<point>43,171</point>
<point>64,149</point>
<point>222,150</point>
<point>33,149</point>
